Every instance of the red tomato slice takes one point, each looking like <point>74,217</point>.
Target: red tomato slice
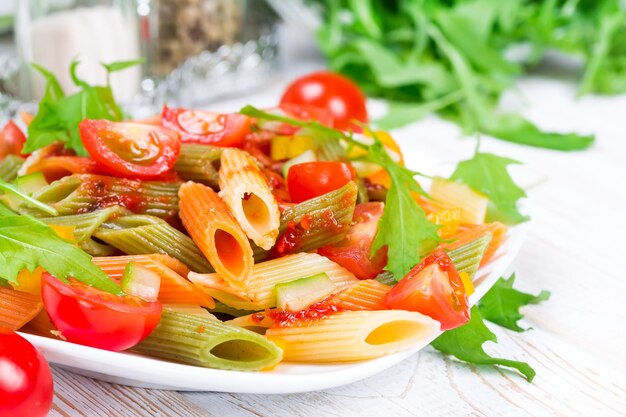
<point>25,378</point>
<point>434,288</point>
<point>353,252</point>
<point>91,317</point>
<point>12,140</point>
<point>132,150</point>
<point>208,128</point>
<point>311,179</point>
<point>336,94</point>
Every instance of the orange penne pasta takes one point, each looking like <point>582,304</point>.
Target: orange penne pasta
<point>469,233</point>
<point>247,194</point>
<point>366,294</point>
<point>175,289</point>
<point>17,308</point>
<point>41,325</point>
<point>55,167</point>
<point>216,232</point>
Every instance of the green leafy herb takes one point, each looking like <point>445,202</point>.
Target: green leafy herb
<point>11,189</point>
<point>502,303</point>
<point>419,52</point>
<point>59,115</point>
<point>403,226</point>
<point>466,343</point>
<point>28,243</point>
<point>487,173</point>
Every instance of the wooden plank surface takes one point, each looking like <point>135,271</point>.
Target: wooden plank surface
<point>574,249</point>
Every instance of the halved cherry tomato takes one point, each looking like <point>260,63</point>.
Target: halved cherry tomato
<point>91,317</point>
<point>25,378</point>
<point>332,92</point>
<point>209,128</point>
<point>12,140</point>
<point>353,252</point>
<point>434,288</point>
<point>311,179</point>
<point>130,149</point>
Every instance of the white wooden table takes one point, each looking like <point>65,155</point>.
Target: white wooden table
<point>575,249</point>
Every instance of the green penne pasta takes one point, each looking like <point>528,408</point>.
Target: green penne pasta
<point>85,224</point>
<point>9,167</point>
<point>199,163</point>
<point>141,234</point>
<point>231,311</point>
<point>386,278</point>
<point>96,248</point>
<point>467,257</point>
<point>331,150</point>
<point>83,193</point>
<point>316,222</point>
<point>208,342</point>
<point>362,196</point>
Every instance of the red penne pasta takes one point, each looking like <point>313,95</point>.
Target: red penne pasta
<point>216,232</point>
<point>17,308</point>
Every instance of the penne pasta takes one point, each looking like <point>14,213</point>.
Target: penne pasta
<point>452,195</point>
<point>175,289</point>
<point>204,341</point>
<point>17,308</point>
<point>216,232</point>
<point>139,234</point>
<point>259,293</point>
<point>199,163</point>
<point>366,294</point>
<point>245,190</point>
<point>353,335</point>
<point>56,167</point>
<point>9,166</point>
<point>83,193</point>
<point>469,233</point>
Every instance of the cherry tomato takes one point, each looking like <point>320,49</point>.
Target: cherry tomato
<point>130,149</point>
<point>434,288</point>
<point>12,140</point>
<point>311,179</point>
<point>333,92</point>
<point>25,378</point>
<point>353,252</point>
<point>91,317</point>
<point>209,128</point>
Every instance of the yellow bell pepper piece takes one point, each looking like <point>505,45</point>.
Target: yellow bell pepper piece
<point>467,283</point>
<point>449,219</point>
<point>287,147</point>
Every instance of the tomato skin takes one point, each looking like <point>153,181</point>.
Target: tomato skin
<point>207,128</point>
<point>312,179</point>
<point>353,252</point>
<point>333,92</point>
<point>434,288</point>
<point>12,140</point>
<point>304,112</point>
<point>92,317</point>
<point>130,150</point>
<point>26,387</point>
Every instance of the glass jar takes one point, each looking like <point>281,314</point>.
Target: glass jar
<point>198,50</point>
<point>53,33</point>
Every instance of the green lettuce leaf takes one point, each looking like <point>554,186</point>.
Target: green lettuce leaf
<point>501,305</point>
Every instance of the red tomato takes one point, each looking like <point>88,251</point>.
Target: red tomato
<point>435,289</point>
<point>332,92</point>
<point>353,252</point>
<point>25,378</point>
<point>12,140</point>
<point>130,149</point>
<point>91,317</point>
<point>209,128</point>
<point>311,179</point>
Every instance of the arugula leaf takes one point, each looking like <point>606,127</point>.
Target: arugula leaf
<point>466,343</point>
<point>487,173</point>
<point>400,113</point>
<point>11,189</point>
<point>28,243</point>
<point>59,115</point>
<point>122,65</point>
<point>502,302</point>
<point>403,227</point>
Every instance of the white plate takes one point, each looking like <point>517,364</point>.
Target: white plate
<point>142,371</point>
